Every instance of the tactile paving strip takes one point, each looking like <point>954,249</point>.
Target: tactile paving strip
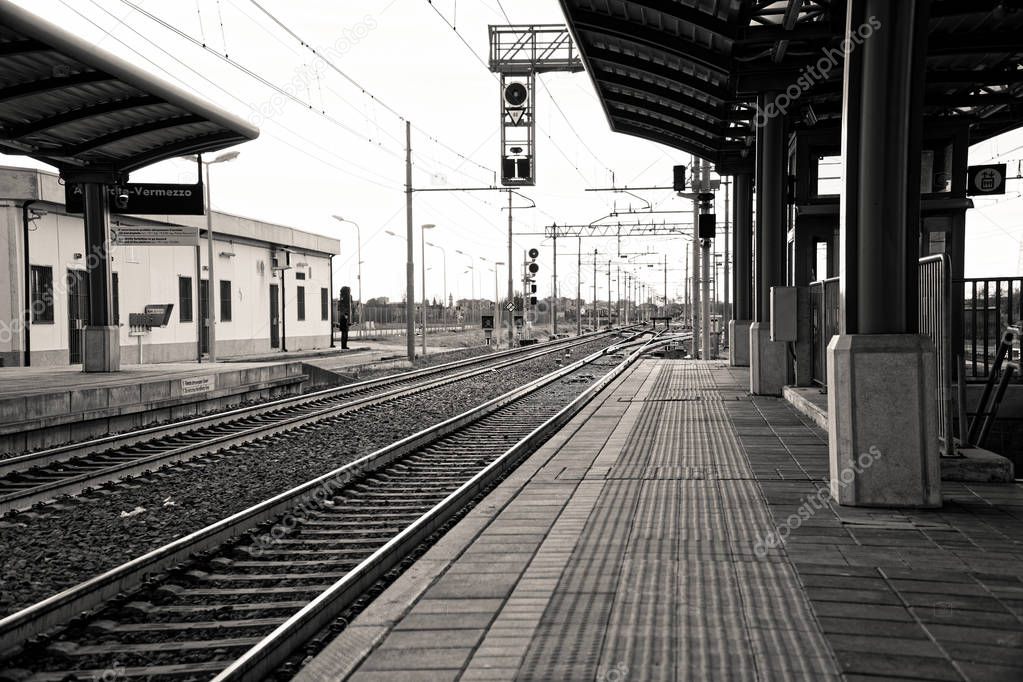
<point>664,583</point>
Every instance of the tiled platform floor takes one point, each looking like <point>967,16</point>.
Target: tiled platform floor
<point>631,547</point>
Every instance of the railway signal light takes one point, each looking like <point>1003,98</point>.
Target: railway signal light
<point>515,94</point>
<point>534,268</point>
<point>534,253</point>
<point>679,181</point>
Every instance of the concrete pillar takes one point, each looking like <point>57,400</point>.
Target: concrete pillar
<point>101,349</point>
<point>742,285</point>
<point>882,399</point>
<point>769,369</point>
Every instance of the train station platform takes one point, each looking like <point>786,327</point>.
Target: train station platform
<point>45,406</point>
<point>680,529</point>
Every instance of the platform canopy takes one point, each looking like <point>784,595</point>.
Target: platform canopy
<point>70,104</point>
<point>686,73</point>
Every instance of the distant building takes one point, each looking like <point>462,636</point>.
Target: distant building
<point>272,290</point>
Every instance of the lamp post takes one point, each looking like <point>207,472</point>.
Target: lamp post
<point>358,254</point>
<point>444,255</point>
<point>210,293</point>
<point>422,254</point>
<point>472,277</point>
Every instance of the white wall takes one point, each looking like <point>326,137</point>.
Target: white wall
<point>150,275</point>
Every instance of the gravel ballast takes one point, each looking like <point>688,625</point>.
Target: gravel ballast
<point>59,545</point>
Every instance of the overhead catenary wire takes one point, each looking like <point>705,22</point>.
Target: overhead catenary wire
<point>305,44</point>
<point>303,149</point>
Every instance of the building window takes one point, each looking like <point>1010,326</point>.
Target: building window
<point>184,299</point>
<point>115,295</point>
<point>299,275</point>
<point>42,294</point>
<point>300,295</point>
<point>225,300</point>
<point>324,304</point>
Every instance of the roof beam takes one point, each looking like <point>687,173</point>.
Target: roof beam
<point>692,16</point>
<point>39,87</point>
<point>661,71</point>
<point>969,42</point>
<point>79,114</point>
<point>193,145</point>
<point>133,131</point>
<point>692,122</point>
<point>651,38</point>
<point>718,113</point>
<point>663,137</point>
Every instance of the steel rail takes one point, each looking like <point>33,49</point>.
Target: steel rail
<point>66,605</point>
<point>95,445</point>
<point>263,658</point>
<point>71,484</point>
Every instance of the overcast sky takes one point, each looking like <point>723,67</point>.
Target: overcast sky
<point>340,150</point>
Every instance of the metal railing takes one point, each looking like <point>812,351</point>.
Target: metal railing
<point>990,305</point>
<point>823,325</point>
<point>528,49</point>
<point>935,322</point>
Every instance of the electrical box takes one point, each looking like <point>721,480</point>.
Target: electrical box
<point>707,226</point>
<point>784,313</point>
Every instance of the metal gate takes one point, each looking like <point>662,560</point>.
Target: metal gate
<point>204,316</point>
<point>77,312</point>
<point>935,322</point>
<point>275,334</point>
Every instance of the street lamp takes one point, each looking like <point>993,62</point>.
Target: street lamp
<point>472,278</point>
<point>422,252</point>
<point>444,254</point>
<point>358,247</point>
<point>210,295</point>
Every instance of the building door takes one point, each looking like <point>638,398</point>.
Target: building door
<point>77,311</point>
<point>275,315</point>
<point>204,316</point>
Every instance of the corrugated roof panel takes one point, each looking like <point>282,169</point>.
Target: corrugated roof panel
<point>65,102</point>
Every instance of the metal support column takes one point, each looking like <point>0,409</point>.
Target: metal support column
<point>410,274</point>
<point>102,346</point>
<point>554,287</point>
<point>743,247</point>
<point>771,228</point>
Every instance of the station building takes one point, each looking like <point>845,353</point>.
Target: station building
<point>272,291</point>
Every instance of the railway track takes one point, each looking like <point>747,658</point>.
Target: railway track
<point>233,601</point>
<point>43,476</point>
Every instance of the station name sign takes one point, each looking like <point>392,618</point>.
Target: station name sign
<point>143,198</point>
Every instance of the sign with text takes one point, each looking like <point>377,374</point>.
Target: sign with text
<point>158,314</point>
<point>154,235</point>
<point>143,198</point>
<point>195,385</point>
